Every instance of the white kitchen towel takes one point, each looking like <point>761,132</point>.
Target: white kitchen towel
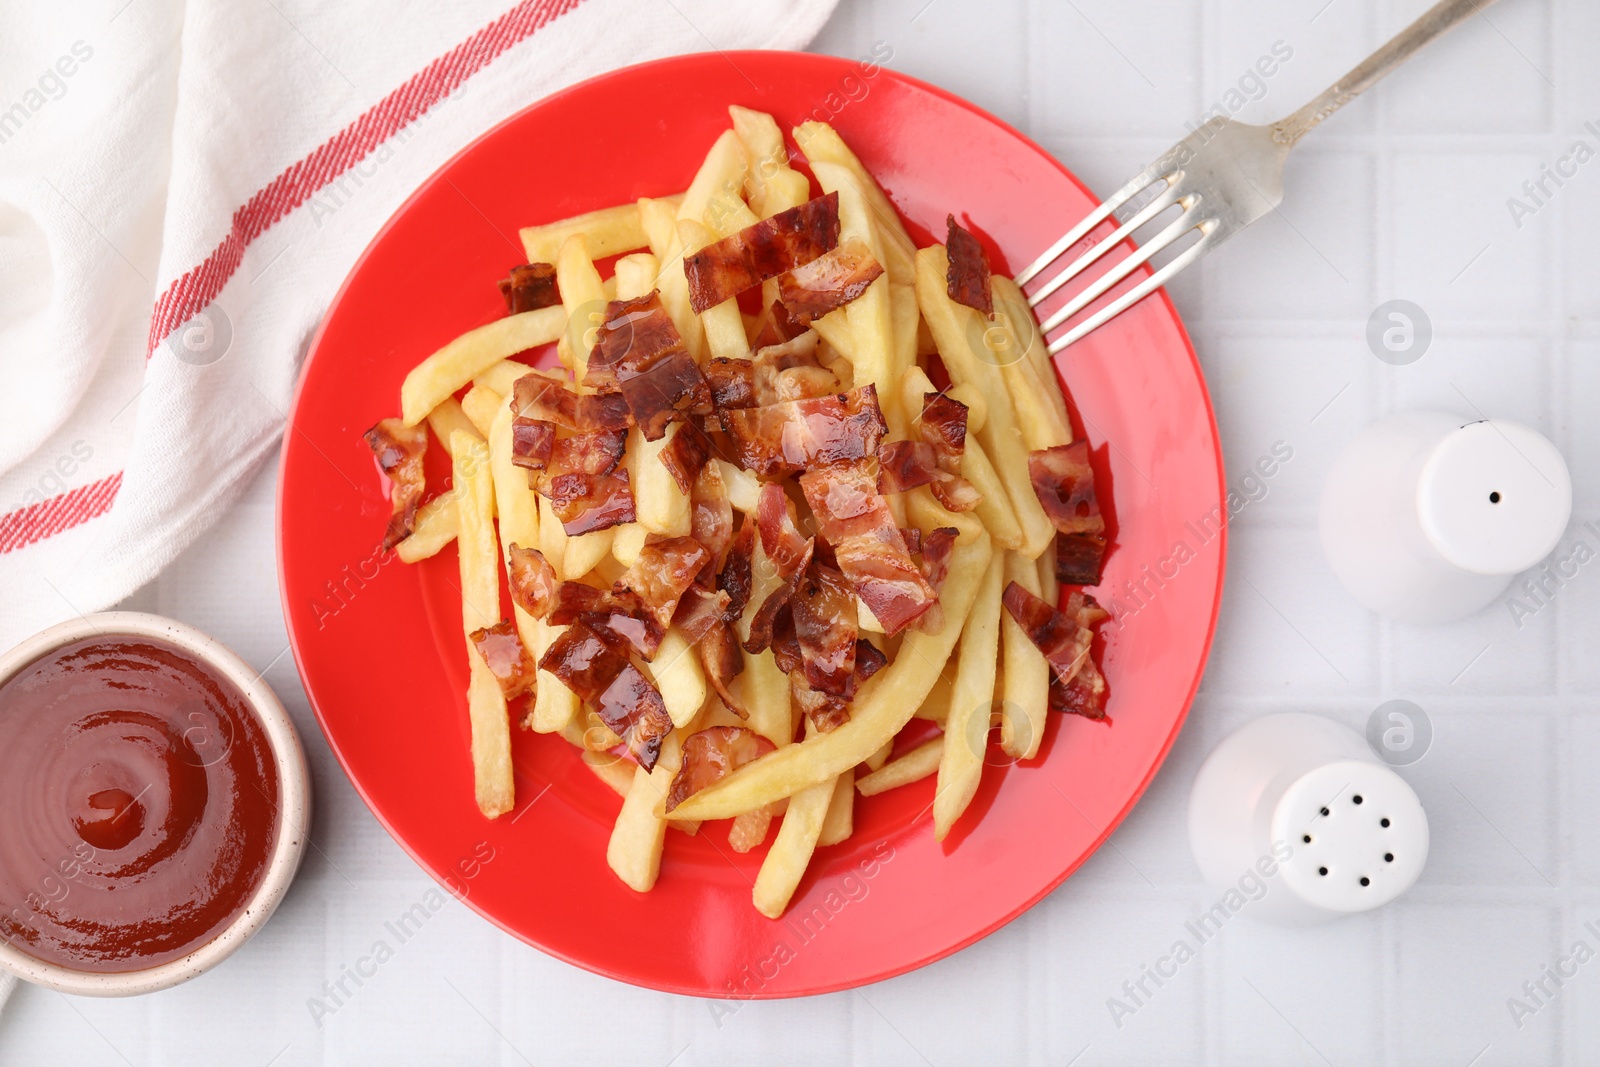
<point>182,188</point>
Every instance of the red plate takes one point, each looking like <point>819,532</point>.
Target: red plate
<point>379,643</point>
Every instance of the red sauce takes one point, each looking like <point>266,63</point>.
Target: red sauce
<point>138,804</point>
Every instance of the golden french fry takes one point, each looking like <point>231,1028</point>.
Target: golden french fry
<point>791,850</point>
<point>723,325</point>
<point>904,315</point>
<point>834,328</point>
<point>480,406</point>
<point>955,328</point>
<point>839,823</point>
<point>552,537</point>
<point>448,418</point>
<point>480,607</point>
<point>971,700</point>
<point>822,145</point>
<point>502,377</point>
<point>762,685</point>
<point>661,225</point>
<point>584,297</point>
<point>615,772</point>
<point>437,378</point>
<point>744,490</point>
<point>679,677</point>
<point>937,706</point>
<point>1025,685</point>
<point>882,706</point>
<point>925,512</point>
<point>880,757</point>
<point>977,404</point>
<point>627,541</point>
<point>717,191</point>
<point>994,503</point>
<point>1018,317</point>
<point>636,275</point>
<point>634,851</point>
<point>659,505</point>
<point>914,766</point>
<point>768,158</point>
<point>610,231</point>
<point>435,527</point>
<point>1049,587</point>
<point>585,552</point>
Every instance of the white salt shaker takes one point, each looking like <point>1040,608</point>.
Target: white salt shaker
<point>1427,516</point>
<point>1293,820</point>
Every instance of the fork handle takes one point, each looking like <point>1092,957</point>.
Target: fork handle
<point>1433,22</point>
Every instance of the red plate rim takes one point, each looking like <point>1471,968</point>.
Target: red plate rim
<point>298,641</point>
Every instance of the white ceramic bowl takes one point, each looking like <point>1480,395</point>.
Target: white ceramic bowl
<point>294,799</point>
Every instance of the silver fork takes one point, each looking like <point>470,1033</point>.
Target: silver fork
<point>1223,176</point>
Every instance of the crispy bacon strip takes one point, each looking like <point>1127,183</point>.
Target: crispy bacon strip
<point>799,435</point>
<point>904,465</point>
<point>532,441</point>
<point>1085,693</point>
<point>765,620</point>
<point>639,350</point>
<point>791,371</point>
<point>700,609</point>
<point>967,280</point>
<point>539,397</point>
<point>711,514</point>
<point>605,679</point>
<point>775,325</point>
<point>828,282</point>
<point>829,712</point>
<point>736,578</point>
<point>944,429</point>
<point>533,581</point>
<point>1080,558</point>
<point>787,240</point>
<point>506,658</point>
<point>619,616</point>
<point>399,449</point>
<point>937,547</point>
<point>710,756</point>
<point>1064,483</point>
<point>685,455</point>
<point>824,608</point>
<point>856,521</point>
<point>722,661</point>
<point>781,539</point>
<point>588,502</point>
<point>530,287</point>
<point>661,575</point>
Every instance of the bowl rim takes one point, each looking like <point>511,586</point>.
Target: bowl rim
<point>294,822</point>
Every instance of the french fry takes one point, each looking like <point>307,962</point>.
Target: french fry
<point>627,542</point>
<point>880,757</point>
<point>448,418</point>
<point>762,684</point>
<point>834,328</point>
<point>723,325</point>
<point>977,404</point>
<point>822,144</point>
<point>791,850</point>
<point>718,187</point>
<point>839,823</point>
<point>903,315</point>
<point>1049,588</point>
<point>971,700</point>
<point>480,606</point>
<point>610,231</point>
<point>502,377</point>
<point>679,678</point>
<point>937,706</point>
<point>915,387</point>
<point>882,706</point>
<point>584,297</point>
<point>925,512</point>
<point>615,772</point>
<point>914,766</point>
<point>661,226</point>
<point>437,378</point>
<point>480,406</point>
<point>635,275</point>
<point>1040,410</point>
<point>994,503</point>
<point>770,184</point>
<point>1025,685</point>
<point>744,490</point>
<point>659,505</point>
<point>954,327</point>
<point>634,851</point>
<point>435,527</point>
<point>585,552</point>
<point>1019,319</point>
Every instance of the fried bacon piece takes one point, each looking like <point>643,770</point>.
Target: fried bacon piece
<point>699,610</point>
<point>1066,639</point>
<point>1080,558</point>
<point>532,441</point>
<point>936,550</point>
<point>1085,693</point>
<point>685,455</point>
<point>781,539</point>
<point>506,658</point>
<point>639,350</point>
<point>732,383</point>
<point>722,661</point>
<point>905,465</point>
<point>530,287</point>
<point>712,754</point>
<point>588,502</point>
<point>399,449</point>
<point>764,622</point>
<point>724,269</point>
<point>829,712</point>
<point>856,521</point>
<point>736,578</point>
<point>620,616</point>
<point>1064,483</point>
<point>775,325</point>
<point>967,280</point>
<point>828,282</point>
<point>711,514</point>
<point>661,575</point>
<point>540,397</point>
<point>792,371</point>
<point>944,429</point>
<point>603,677</point>
<point>824,609</point>
<point>799,435</point>
<point>533,581</point>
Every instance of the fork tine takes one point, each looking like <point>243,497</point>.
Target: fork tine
<point>1181,225</point>
<point>1077,266</point>
<point>1131,297</point>
<point>1145,178</point>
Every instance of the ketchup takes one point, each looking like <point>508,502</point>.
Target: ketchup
<point>138,804</point>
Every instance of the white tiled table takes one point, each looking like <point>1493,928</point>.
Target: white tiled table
<point>1402,195</point>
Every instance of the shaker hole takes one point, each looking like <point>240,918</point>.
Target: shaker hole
<point>1494,498</point>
